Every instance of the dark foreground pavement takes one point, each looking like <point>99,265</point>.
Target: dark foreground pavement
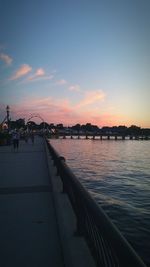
<point>28,226</point>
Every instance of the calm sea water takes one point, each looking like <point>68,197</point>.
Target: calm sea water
<point>117,174</point>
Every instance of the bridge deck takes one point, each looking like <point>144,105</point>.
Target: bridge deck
<point>28,227</point>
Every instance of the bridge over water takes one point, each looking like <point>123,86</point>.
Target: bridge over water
<point>101,136</point>
<point>48,221</point>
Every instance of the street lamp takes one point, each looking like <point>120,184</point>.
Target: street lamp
<point>7,111</point>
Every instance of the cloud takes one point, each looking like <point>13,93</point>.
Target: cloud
<point>22,71</point>
<point>62,110</point>
<point>105,119</point>
<point>39,74</point>
<point>6,59</point>
<point>61,82</point>
<point>49,108</point>
<point>56,111</point>
<point>91,97</point>
<point>59,110</point>
<point>75,88</point>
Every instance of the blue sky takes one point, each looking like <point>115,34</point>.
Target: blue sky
<point>76,61</point>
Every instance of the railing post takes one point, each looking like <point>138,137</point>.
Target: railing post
<point>105,241</point>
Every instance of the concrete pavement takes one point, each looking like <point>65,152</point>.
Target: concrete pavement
<point>37,224</point>
<point>28,226</point>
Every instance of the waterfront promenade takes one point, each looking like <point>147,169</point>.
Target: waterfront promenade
<point>32,228</point>
<point>38,226</point>
<point>28,227</point>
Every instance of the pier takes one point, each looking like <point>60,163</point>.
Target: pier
<point>100,136</point>
<point>49,219</point>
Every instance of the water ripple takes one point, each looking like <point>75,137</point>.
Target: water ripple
<point>117,174</point>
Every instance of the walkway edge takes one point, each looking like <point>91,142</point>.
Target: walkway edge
<point>75,250</point>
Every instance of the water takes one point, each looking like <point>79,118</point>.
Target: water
<point>117,174</point>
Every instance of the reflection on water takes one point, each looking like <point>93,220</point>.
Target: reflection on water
<point>117,173</point>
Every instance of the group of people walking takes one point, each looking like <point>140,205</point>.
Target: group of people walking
<point>28,136</point>
<point>16,138</point>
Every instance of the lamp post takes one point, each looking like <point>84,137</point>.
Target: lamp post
<point>7,116</point>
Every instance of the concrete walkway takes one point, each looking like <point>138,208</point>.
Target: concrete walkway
<point>28,226</point>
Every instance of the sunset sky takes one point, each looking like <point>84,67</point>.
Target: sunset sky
<point>76,61</point>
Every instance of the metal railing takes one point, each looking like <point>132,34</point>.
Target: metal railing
<point>108,247</point>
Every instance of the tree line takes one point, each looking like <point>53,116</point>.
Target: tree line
<point>79,128</point>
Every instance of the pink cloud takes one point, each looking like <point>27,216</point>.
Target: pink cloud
<point>105,119</point>
<point>39,75</point>
<point>75,88</point>
<point>22,71</point>
<point>50,109</point>
<point>61,82</point>
<point>91,97</point>
<point>61,111</point>
<point>53,110</point>
<point>6,59</point>
<point>40,72</point>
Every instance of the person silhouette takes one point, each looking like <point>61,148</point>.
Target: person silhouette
<point>32,137</point>
<point>16,138</point>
